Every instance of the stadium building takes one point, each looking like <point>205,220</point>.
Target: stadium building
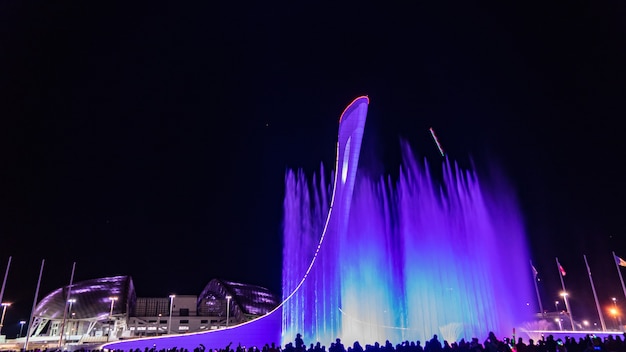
<point>107,309</point>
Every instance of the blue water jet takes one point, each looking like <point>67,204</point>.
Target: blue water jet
<point>420,255</point>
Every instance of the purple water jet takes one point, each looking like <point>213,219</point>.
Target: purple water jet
<point>417,256</point>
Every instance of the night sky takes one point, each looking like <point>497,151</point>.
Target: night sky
<point>151,139</point>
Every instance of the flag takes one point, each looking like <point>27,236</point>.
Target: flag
<point>535,272</point>
<point>619,261</point>
<point>561,270</point>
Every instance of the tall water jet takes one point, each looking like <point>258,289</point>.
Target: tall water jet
<point>418,256</point>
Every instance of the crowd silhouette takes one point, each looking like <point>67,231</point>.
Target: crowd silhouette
<point>588,343</point>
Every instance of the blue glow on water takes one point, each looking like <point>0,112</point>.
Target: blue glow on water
<point>420,256</point>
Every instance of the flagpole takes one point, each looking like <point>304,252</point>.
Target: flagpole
<point>569,311</point>
<point>30,321</point>
<point>4,282</point>
<point>537,289</point>
<point>621,279</point>
<point>595,296</point>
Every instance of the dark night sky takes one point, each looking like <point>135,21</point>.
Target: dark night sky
<point>151,139</point>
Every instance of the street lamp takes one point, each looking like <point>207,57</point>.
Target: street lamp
<point>569,311</point>
<point>227,309</point>
<point>619,317</point>
<point>113,299</point>
<point>22,322</point>
<point>169,322</point>
<point>71,302</point>
<point>614,313</point>
<point>558,320</point>
<point>4,310</point>
<point>556,306</point>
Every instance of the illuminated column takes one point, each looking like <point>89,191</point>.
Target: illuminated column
<point>227,309</point>
<point>169,322</point>
<point>22,322</point>
<point>4,310</point>
<point>71,302</point>
<point>113,299</point>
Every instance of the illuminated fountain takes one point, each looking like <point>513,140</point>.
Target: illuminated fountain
<point>418,256</point>
<point>374,260</point>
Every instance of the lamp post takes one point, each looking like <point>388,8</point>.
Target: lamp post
<point>569,311</point>
<point>558,320</point>
<point>556,306</point>
<point>71,302</point>
<point>614,314</point>
<point>228,309</point>
<point>113,299</point>
<point>22,322</point>
<point>4,310</point>
<point>169,322</point>
<point>619,317</point>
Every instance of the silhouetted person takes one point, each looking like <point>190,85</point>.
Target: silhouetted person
<point>336,346</point>
<point>434,345</point>
<point>299,343</point>
<point>550,343</point>
<point>475,346</point>
<point>491,343</point>
<point>339,347</point>
<point>520,346</point>
<point>356,347</point>
<point>418,346</point>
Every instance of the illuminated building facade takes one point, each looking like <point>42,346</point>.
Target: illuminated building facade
<point>107,309</point>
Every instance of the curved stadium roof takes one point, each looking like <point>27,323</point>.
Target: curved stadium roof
<point>93,299</point>
<point>247,299</point>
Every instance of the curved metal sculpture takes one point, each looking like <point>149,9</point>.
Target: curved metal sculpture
<point>268,329</point>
